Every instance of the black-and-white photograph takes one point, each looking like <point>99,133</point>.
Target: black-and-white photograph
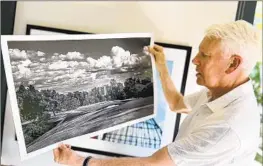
<point>69,88</point>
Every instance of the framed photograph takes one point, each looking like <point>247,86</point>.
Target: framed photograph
<point>62,87</point>
<point>144,138</point>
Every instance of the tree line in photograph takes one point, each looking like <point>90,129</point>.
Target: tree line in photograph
<point>38,106</point>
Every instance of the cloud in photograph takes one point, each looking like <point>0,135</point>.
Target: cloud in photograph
<point>104,62</point>
<point>72,56</point>
<point>74,69</point>
<point>42,59</point>
<point>63,65</point>
<point>39,53</point>
<point>118,58</point>
<point>16,54</point>
<point>123,58</point>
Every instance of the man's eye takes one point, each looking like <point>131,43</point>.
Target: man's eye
<point>202,54</point>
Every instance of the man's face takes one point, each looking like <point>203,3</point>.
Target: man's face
<point>211,63</point>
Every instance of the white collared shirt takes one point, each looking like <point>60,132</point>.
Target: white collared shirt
<point>224,132</point>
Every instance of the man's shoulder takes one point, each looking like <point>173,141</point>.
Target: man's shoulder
<point>243,107</point>
<point>243,116</point>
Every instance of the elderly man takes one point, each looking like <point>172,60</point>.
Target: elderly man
<point>222,126</point>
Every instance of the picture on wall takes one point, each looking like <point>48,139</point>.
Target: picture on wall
<point>143,138</point>
<point>149,133</point>
<point>67,86</point>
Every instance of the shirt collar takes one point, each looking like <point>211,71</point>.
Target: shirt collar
<point>221,102</point>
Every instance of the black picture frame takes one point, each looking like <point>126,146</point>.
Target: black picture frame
<point>246,11</point>
<point>30,27</point>
<point>188,49</point>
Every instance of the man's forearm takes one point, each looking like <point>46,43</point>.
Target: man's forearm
<point>159,158</point>
<point>77,160</point>
<point>171,94</point>
<point>121,162</point>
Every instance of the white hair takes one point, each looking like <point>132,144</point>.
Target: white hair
<point>239,38</point>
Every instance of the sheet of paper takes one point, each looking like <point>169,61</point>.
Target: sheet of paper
<point>66,86</point>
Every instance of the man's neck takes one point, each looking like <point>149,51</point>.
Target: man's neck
<point>220,91</point>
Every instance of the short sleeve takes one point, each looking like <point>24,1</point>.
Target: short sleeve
<point>205,146</point>
<point>191,99</point>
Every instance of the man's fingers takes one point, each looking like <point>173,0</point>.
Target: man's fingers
<point>155,49</point>
<point>158,48</point>
<point>63,146</point>
<point>56,154</point>
<point>68,146</point>
<point>151,50</point>
<point>60,146</point>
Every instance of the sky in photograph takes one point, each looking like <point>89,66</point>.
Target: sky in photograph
<point>80,65</point>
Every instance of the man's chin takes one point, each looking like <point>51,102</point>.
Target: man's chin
<point>199,81</point>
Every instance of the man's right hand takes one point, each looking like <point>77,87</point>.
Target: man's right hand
<point>173,97</point>
<point>157,52</point>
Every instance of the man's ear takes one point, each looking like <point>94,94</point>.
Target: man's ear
<point>235,62</point>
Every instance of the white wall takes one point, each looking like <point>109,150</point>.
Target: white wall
<point>171,22</point>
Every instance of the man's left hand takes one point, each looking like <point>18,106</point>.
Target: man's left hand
<point>65,155</point>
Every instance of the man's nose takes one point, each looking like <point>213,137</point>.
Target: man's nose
<point>195,61</point>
